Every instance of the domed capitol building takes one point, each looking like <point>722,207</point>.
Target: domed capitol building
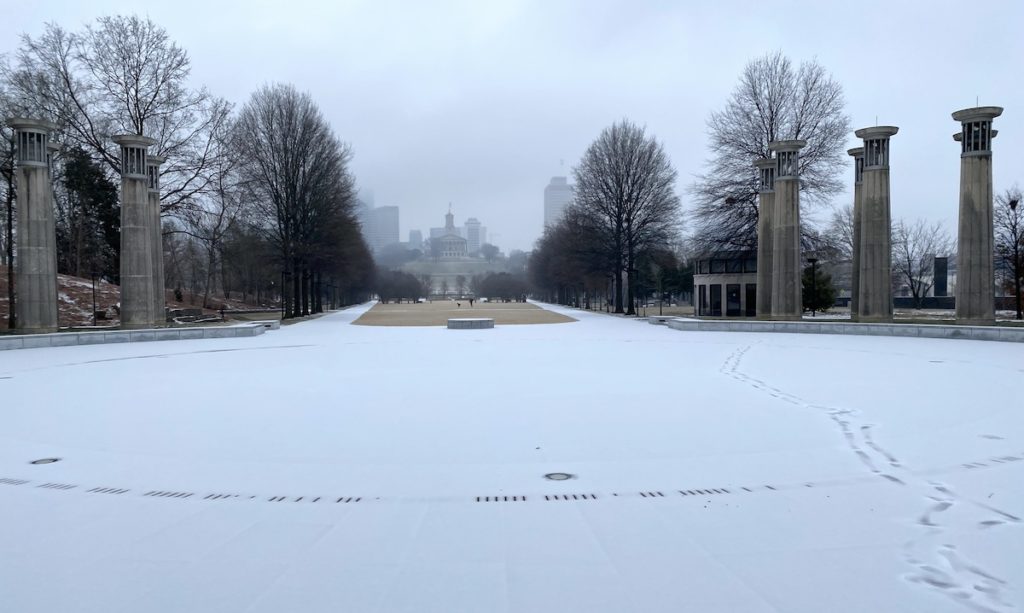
<point>451,260</point>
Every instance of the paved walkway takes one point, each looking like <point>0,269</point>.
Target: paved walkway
<point>328,467</point>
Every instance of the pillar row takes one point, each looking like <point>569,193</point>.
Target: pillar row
<point>35,307</point>
<point>874,301</point>
<point>136,256</point>
<point>156,239</point>
<point>765,240</point>
<point>975,282</point>
<point>858,168</point>
<point>787,292</point>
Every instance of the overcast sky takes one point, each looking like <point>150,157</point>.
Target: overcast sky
<point>478,102</point>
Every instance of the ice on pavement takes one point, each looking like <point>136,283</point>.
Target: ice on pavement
<point>327,467</point>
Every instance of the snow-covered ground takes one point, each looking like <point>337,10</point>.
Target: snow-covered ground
<point>330,467</point>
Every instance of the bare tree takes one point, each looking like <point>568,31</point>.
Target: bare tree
<point>773,101</point>
<point>216,213</point>
<point>914,248</point>
<point>625,190</point>
<point>1009,240</point>
<point>428,285</point>
<point>296,173</point>
<point>839,233</point>
<point>122,75</point>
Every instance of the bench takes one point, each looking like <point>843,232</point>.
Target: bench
<point>470,323</point>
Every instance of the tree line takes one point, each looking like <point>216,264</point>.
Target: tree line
<point>257,201</point>
<point>624,212</point>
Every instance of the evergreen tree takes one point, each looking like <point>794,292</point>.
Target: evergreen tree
<point>89,229</point>
<point>819,293</point>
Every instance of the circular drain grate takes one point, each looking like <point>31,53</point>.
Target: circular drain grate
<point>45,461</point>
<point>559,476</point>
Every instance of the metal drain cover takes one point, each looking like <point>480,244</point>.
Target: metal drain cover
<point>558,476</point>
<point>45,461</point>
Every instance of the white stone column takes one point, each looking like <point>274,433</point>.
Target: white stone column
<point>156,239</point>
<point>765,235</point>
<point>787,291</point>
<point>35,275</point>
<point>875,281</point>
<point>136,256</point>
<point>975,281</point>
<point>858,168</point>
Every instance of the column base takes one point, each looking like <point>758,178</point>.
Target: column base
<point>976,322</point>
<point>874,320</point>
<point>137,326</point>
<point>47,330</point>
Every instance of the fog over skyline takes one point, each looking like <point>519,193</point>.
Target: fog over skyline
<point>476,103</point>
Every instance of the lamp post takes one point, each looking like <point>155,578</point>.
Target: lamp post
<point>284,289</point>
<point>94,298</point>
<point>814,285</point>
<point>1015,266</point>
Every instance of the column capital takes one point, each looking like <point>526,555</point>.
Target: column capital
<point>787,145</point>
<point>133,154</point>
<point>27,124</point>
<point>876,145</point>
<point>787,157</point>
<point>978,113</point>
<point>766,173</point>
<point>876,132</point>
<point>30,140</point>
<point>133,140</point>
<point>153,163</point>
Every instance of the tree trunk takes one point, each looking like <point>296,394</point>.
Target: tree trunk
<point>296,291</point>
<point>318,284</point>
<point>617,282</point>
<point>209,279</point>
<point>630,281</point>
<point>304,288</point>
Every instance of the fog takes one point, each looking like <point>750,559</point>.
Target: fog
<point>479,104</point>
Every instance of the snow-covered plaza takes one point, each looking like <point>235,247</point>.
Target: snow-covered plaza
<point>332,467</point>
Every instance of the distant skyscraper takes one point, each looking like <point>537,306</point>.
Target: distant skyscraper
<point>474,237</point>
<point>415,239</point>
<point>381,227</point>
<point>557,196</point>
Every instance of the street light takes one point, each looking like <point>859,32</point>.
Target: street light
<point>1015,266</point>
<point>284,290</point>
<point>93,298</point>
<point>814,285</point>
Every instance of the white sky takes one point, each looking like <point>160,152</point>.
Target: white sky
<point>477,102</point>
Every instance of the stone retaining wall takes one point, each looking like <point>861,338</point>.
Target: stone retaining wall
<point>978,333</point>
<point>66,339</point>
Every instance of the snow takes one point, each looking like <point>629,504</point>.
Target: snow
<point>835,473</point>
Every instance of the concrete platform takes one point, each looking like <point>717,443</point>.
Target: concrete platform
<point>977,333</point>
<point>66,339</point>
<point>470,323</point>
<point>315,468</point>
